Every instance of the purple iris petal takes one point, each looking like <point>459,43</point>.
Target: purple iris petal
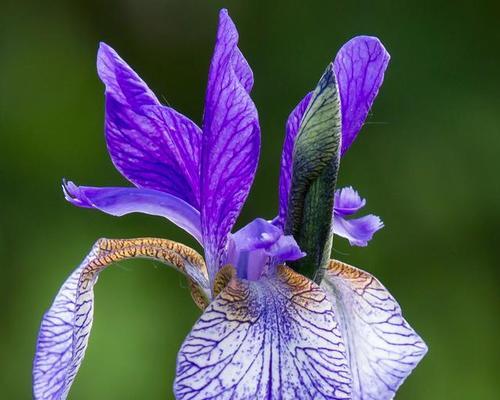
<point>359,231</point>
<point>257,245</point>
<point>65,327</point>
<point>151,145</point>
<point>285,249</point>
<point>122,81</point>
<point>359,68</point>
<point>275,338</point>
<point>383,348</point>
<point>230,144</point>
<point>120,201</point>
<point>62,341</point>
<point>348,201</point>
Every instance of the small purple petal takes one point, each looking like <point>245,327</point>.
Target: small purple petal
<point>230,143</point>
<point>120,201</point>
<point>258,245</point>
<point>359,231</point>
<point>359,67</point>
<point>275,338</point>
<point>285,249</point>
<point>292,129</point>
<point>153,146</point>
<point>258,234</point>
<point>348,201</point>
<point>382,348</point>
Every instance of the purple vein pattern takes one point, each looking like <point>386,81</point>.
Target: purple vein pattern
<point>266,332</point>
<point>63,337</point>
<point>65,328</point>
<point>231,142</point>
<point>165,158</point>
<point>276,338</point>
<point>382,347</point>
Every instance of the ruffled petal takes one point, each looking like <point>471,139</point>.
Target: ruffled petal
<point>230,144</point>
<point>65,327</point>
<point>382,347</point>
<point>120,201</point>
<point>348,201</point>
<point>359,231</point>
<point>359,67</point>
<point>153,146</point>
<point>274,338</point>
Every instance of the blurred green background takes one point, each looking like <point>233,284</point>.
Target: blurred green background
<point>427,160</point>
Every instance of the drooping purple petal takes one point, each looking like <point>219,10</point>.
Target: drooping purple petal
<point>120,201</point>
<point>382,347</point>
<point>359,67</point>
<point>65,327</point>
<point>153,146</point>
<point>276,338</point>
<point>292,129</point>
<point>285,249</point>
<point>230,144</point>
<point>258,245</point>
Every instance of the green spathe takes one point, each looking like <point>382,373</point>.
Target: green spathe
<point>316,159</point>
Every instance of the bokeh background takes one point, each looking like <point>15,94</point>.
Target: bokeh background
<point>427,160</point>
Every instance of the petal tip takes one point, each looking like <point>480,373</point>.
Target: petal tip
<point>74,195</point>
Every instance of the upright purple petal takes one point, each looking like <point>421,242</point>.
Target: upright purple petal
<point>359,231</point>
<point>153,146</point>
<point>230,144</point>
<point>276,338</point>
<point>121,80</point>
<point>359,67</point>
<point>65,327</point>
<point>292,129</point>
<point>348,201</point>
<point>382,347</point>
<point>120,201</point>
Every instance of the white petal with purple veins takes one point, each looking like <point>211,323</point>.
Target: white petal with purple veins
<point>276,338</point>
<point>382,347</point>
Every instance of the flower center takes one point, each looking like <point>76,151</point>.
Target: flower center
<point>260,245</point>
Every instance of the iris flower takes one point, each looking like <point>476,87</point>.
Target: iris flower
<point>280,319</point>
